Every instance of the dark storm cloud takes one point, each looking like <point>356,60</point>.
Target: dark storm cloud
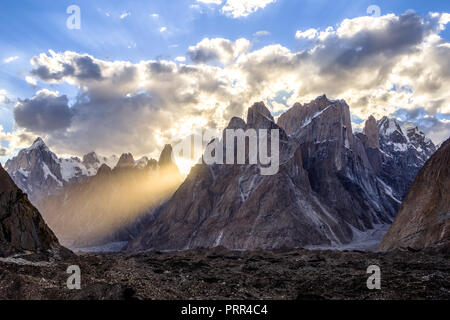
<point>112,125</point>
<point>44,113</point>
<point>82,67</point>
<point>87,68</point>
<point>44,73</point>
<point>369,47</point>
<point>200,55</point>
<point>159,67</point>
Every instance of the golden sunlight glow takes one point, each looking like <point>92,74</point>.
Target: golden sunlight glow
<point>107,204</point>
<point>185,165</point>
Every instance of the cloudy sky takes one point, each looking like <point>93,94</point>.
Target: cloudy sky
<point>139,74</point>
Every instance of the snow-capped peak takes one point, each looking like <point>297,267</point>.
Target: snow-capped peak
<point>91,159</point>
<point>141,163</point>
<point>410,126</point>
<point>38,144</point>
<point>388,126</point>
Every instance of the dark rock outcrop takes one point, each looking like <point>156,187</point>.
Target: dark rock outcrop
<point>91,160</point>
<point>424,217</point>
<point>371,131</point>
<point>166,161</point>
<point>22,228</point>
<point>126,161</point>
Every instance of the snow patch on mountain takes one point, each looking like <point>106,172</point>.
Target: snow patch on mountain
<point>316,115</point>
<point>48,173</point>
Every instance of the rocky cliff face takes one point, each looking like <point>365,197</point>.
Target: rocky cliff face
<point>424,217</point>
<point>22,228</point>
<point>40,173</point>
<point>113,205</point>
<point>337,163</point>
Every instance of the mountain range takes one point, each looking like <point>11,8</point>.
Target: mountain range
<point>95,200</point>
<point>333,185</point>
<point>40,173</point>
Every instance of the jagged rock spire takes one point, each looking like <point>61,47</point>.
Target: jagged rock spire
<point>372,133</point>
<point>166,156</point>
<point>259,116</point>
<point>126,161</point>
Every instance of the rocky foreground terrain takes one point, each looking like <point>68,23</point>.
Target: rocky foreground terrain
<point>221,274</point>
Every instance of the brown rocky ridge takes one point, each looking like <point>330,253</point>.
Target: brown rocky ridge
<point>22,228</point>
<point>424,217</point>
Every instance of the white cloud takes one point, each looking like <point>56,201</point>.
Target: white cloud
<point>15,140</point>
<point>445,18</point>
<point>31,80</point>
<point>309,34</point>
<point>261,33</point>
<point>218,49</point>
<point>180,59</point>
<point>217,2</point>
<point>10,59</point>
<point>243,8</point>
<point>4,97</point>
<point>125,15</point>
<point>163,29</point>
<point>442,18</point>
<point>154,15</point>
